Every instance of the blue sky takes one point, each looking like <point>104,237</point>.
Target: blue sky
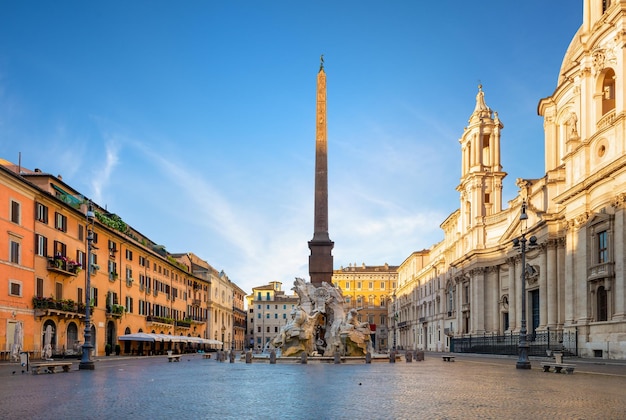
<point>195,121</point>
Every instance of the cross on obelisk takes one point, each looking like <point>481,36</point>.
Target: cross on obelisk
<point>321,258</point>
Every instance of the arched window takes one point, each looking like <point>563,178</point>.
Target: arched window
<point>602,304</point>
<point>608,91</point>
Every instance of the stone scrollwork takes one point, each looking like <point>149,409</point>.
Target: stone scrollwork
<point>531,273</point>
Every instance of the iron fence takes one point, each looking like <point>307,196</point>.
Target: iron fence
<point>508,344</point>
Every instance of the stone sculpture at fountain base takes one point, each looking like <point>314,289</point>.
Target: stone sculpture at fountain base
<point>320,326</point>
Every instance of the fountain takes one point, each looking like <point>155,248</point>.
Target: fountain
<point>320,326</point>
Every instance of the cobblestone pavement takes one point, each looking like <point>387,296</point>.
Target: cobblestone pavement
<point>473,387</point>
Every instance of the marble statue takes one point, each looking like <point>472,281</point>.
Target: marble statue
<point>319,325</point>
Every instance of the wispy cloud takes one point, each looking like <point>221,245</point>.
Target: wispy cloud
<point>102,175</point>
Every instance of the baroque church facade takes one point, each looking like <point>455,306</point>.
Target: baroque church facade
<point>470,284</point>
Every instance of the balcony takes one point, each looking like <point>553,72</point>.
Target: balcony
<point>129,282</point>
<point>161,320</point>
<point>600,271</point>
<point>184,323</point>
<point>63,308</point>
<point>195,302</point>
<point>115,311</point>
<point>63,265</point>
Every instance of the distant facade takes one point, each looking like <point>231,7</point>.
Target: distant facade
<point>469,285</point>
<point>136,285</point>
<point>369,289</point>
<point>269,309</point>
<point>239,318</point>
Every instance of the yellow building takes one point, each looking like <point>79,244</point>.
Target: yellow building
<point>370,289</point>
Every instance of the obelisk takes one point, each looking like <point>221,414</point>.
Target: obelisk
<point>321,258</point>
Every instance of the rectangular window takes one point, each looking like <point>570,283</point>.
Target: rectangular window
<point>371,287</point>
<point>58,289</point>
<point>15,252</point>
<point>382,285</point>
<point>60,222</point>
<point>258,316</point>
<point>267,316</point>
<point>81,233</point>
<point>603,250</point>
<point>80,258</point>
<point>275,316</point>
<point>41,213</point>
<point>15,288</point>
<point>15,212</point>
<point>94,296</point>
<point>80,297</point>
<point>41,244</point>
<point>268,329</point>
<point>267,296</point>
<point>129,304</point>
<point>39,287</point>
<point>60,249</point>
<point>112,270</point>
<point>258,328</point>
<point>347,285</point>
<point>358,285</point>
<point>129,255</point>
<point>284,316</point>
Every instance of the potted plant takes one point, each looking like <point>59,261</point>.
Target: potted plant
<point>118,349</point>
<point>107,349</point>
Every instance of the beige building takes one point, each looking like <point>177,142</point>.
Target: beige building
<point>239,318</point>
<point>369,289</point>
<point>269,309</point>
<point>470,284</point>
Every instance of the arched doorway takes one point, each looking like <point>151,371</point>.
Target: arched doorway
<point>110,336</point>
<point>72,343</point>
<point>48,338</point>
<point>127,343</point>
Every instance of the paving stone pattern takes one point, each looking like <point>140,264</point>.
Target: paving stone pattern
<point>469,388</point>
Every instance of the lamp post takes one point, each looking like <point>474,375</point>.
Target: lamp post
<point>86,363</point>
<point>523,362</point>
<point>395,321</point>
<point>223,331</point>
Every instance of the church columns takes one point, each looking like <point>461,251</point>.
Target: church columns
<point>569,291</point>
<point>513,294</point>
<point>552,284</point>
<point>560,257</point>
<point>543,289</point>
<point>620,259</point>
<point>477,306</point>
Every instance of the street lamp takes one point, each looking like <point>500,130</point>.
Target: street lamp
<point>223,331</point>
<point>395,321</point>
<point>86,363</point>
<point>523,362</point>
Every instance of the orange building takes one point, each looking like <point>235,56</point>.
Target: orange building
<point>136,285</point>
